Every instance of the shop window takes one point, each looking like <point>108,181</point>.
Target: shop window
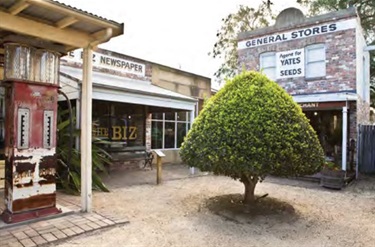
<point>169,135</point>
<point>168,132</point>
<point>157,135</point>
<point>181,133</point>
<point>122,124</point>
<point>315,61</point>
<point>170,116</point>
<point>268,64</point>
<point>181,116</point>
<point>157,116</point>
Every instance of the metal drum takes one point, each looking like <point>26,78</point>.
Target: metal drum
<point>18,62</point>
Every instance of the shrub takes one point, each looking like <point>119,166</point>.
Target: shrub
<point>249,129</point>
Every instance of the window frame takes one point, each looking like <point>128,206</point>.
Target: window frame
<point>175,121</point>
<point>261,60</point>
<point>308,49</point>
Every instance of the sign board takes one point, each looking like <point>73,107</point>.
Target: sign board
<point>298,34</point>
<point>108,62</point>
<point>159,153</point>
<point>323,105</point>
<point>290,64</point>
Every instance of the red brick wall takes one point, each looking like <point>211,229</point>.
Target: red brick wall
<point>340,62</point>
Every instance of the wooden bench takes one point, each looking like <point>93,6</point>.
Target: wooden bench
<point>139,153</point>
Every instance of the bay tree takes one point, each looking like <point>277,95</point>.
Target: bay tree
<point>250,129</point>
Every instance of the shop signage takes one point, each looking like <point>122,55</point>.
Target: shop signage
<point>108,62</point>
<point>297,34</point>
<point>290,63</point>
<point>323,105</point>
<point>309,105</point>
<point>118,132</point>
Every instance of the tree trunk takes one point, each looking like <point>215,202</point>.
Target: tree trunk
<point>249,183</point>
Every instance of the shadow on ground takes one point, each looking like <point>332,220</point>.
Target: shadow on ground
<point>230,207</point>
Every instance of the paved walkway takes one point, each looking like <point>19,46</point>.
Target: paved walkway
<point>59,227</point>
<point>45,231</point>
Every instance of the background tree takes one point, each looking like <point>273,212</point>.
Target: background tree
<point>245,19</point>
<point>249,129</point>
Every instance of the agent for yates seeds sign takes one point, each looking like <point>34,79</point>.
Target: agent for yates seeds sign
<point>290,64</point>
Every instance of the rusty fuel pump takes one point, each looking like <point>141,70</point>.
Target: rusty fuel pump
<point>31,84</point>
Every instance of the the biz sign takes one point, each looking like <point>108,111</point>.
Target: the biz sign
<point>116,133</point>
<point>290,64</point>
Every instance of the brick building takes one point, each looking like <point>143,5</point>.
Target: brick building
<point>321,61</point>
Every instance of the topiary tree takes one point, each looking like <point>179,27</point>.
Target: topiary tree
<point>249,129</point>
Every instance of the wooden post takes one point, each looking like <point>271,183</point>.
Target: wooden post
<point>158,170</point>
<point>86,132</point>
<point>159,155</point>
<point>344,136</point>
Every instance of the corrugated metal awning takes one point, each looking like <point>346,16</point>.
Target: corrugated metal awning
<point>52,25</point>
<point>120,89</point>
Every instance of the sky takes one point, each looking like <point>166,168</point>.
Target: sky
<point>174,33</point>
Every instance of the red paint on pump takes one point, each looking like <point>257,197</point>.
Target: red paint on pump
<point>37,98</point>
<point>30,168</point>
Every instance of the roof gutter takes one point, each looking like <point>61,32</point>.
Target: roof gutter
<point>101,37</point>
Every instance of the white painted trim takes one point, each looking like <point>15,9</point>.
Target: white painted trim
<point>86,132</point>
<point>192,114</point>
<point>329,97</point>
<point>369,48</point>
<point>344,136</point>
<point>132,98</point>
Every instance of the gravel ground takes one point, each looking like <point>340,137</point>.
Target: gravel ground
<point>174,214</point>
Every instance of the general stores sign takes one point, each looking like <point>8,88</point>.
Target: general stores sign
<point>275,38</point>
<point>290,64</point>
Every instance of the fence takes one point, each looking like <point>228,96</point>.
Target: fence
<point>366,148</point>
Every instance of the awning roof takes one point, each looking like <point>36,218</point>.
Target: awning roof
<point>52,25</point>
<point>325,97</point>
<point>120,89</point>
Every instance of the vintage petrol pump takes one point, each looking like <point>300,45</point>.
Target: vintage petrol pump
<point>31,84</point>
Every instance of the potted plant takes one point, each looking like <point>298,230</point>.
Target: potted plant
<point>332,176</point>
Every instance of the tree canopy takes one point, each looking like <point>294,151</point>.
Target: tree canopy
<point>252,128</point>
<point>246,19</point>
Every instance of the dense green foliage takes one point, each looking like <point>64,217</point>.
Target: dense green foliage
<point>69,173</point>
<point>252,128</point>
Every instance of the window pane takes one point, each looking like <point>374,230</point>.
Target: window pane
<point>268,60</point>
<point>181,133</point>
<point>157,135</point>
<point>169,135</point>
<point>181,116</point>
<point>316,54</point>
<point>270,73</point>
<point>316,69</point>
<point>158,116</point>
<point>170,116</point>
